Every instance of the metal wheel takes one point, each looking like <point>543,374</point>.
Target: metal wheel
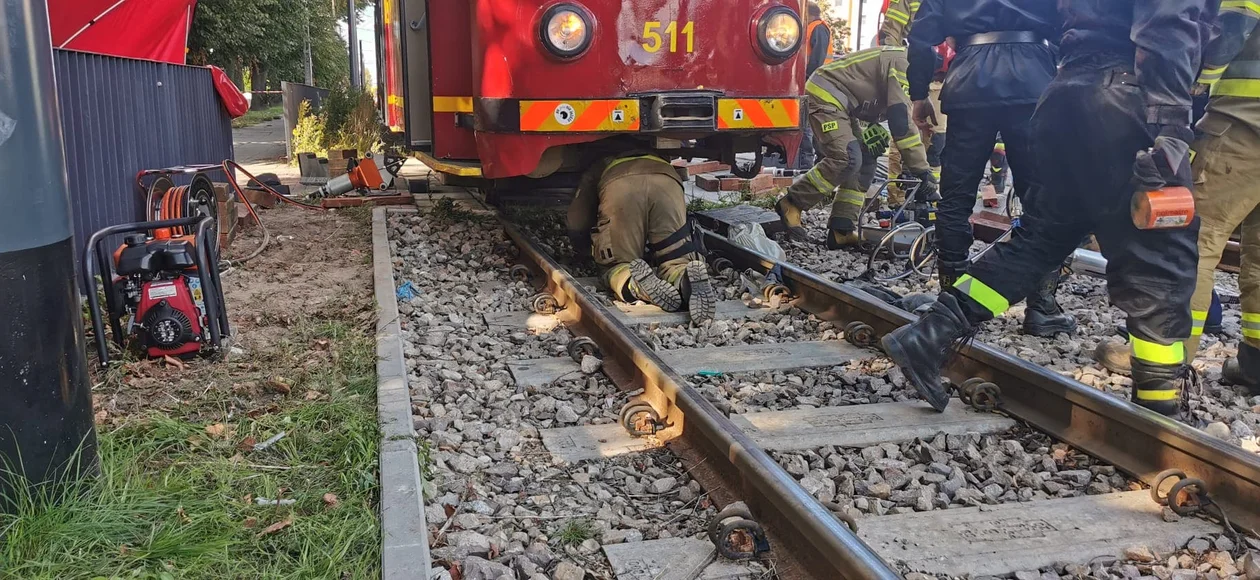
<point>640,419</point>
<point>520,273</point>
<point>582,347</point>
<point>1160,480</point>
<point>923,252</point>
<point>887,246</point>
<point>544,304</point>
<point>153,198</point>
<point>859,333</point>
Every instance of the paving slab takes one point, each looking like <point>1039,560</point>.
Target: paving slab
<point>668,559</point>
<point>722,359</point>
<point>851,426</point>
<point>994,540</point>
<point>628,314</point>
<point>725,570</point>
<point>586,442</point>
<point>864,425</point>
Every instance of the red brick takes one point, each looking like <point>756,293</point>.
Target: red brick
<point>729,183</point>
<point>783,181</point>
<point>699,167</point>
<point>761,182</point>
<point>708,183</point>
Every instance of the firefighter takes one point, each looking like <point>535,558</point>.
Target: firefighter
<point>630,213</point>
<point>1226,172</point>
<point>1003,63</point>
<point>869,86</point>
<point>817,53</point>
<point>1114,123</point>
<point>898,16</point>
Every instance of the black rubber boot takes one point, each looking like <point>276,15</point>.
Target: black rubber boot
<point>649,287</point>
<point>841,234</point>
<point>1043,317</point>
<point>1158,387</point>
<point>1243,370</point>
<point>791,217</point>
<point>1115,356</point>
<point>702,298</point>
<point>922,347</point>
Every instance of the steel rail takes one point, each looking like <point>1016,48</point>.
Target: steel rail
<point>1135,440</point>
<point>815,538</point>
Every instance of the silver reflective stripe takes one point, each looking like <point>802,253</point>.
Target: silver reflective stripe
<point>1242,69</point>
<point>832,89</point>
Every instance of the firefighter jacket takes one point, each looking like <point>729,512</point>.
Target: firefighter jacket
<point>584,209</point>
<point>1162,38</point>
<point>897,20</point>
<point>870,85</point>
<point>1231,64</point>
<point>1005,52</point>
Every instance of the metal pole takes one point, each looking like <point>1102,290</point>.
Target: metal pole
<point>46,431</point>
<point>355,80</point>
<point>858,42</point>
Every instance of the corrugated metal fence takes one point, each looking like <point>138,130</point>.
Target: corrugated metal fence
<point>123,115</point>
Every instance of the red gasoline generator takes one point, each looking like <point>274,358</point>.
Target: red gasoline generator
<point>163,282</point>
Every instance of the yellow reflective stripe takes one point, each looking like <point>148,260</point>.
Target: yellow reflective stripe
<point>452,104</point>
<point>853,59</point>
<point>982,293</point>
<point>898,16</point>
<point>819,181</point>
<point>851,196</point>
<point>914,140</point>
<point>625,159</point>
<point>1240,6</point>
<point>1160,395</point>
<point>1198,315</point>
<point>1251,325</point>
<point>821,93</point>
<point>937,174</point>
<point>1245,88</point>
<point>1172,354</point>
<point>1198,319</point>
<point>1197,330</point>
<point>914,7</point>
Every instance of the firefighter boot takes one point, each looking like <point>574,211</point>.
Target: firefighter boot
<point>1043,317</point>
<point>1158,387</point>
<point>702,298</point>
<point>949,272</point>
<point>841,234</point>
<point>1114,356</point>
<point>1243,370</point>
<point>648,287</point>
<point>922,347</point>
<point>791,217</point>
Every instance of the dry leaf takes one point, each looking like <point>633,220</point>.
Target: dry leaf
<point>249,498</point>
<point>216,430</point>
<point>312,395</point>
<point>236,458</point>
<point>122,550</point>
<point>247,443</point>
<point>321,344</point>
<point>170,360</point>
<point>273,528</point>
<point>250,523</point>
<point>101,416</point>
<point>279,385</point>
<point>330,500</point>
<point>183,516</point>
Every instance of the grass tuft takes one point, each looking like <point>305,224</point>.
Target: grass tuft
<point>575,532</point>
<point>256,116</point>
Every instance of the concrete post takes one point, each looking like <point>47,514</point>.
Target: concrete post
<point>46,431</point>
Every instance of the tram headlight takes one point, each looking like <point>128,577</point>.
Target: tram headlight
<point>565,30</point>
<point>779,33</point>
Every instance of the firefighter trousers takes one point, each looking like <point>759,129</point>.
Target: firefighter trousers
<point>1226,196</point>
<point>636,210</point>
<point>1086,132</point>
<point>972,136</point>
<point>844,169</point>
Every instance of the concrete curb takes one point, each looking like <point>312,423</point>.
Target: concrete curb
<point>404,533</point>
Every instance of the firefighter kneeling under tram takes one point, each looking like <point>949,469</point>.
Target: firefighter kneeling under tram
<point>868,85</point>
<point>631,212</point>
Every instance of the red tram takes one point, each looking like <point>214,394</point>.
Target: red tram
<point>508,88</point>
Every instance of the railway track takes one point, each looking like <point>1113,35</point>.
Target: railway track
<point>728,453</point>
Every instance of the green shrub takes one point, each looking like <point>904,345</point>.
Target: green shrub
<point>308,135</point>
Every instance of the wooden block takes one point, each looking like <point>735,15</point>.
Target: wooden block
<point>260,198</point>
<point>730,183</point>
<point>336,202</point>
<point>784,181</point>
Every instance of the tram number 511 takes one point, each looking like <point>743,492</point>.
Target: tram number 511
<point>652,34</point>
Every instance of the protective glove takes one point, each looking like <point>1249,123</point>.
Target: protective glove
<point>1167,163</point>
<point>924,116</point>
<point>929,190</point>
<point>876,138</point>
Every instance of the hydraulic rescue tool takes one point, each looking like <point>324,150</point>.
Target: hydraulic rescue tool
<point>161,287</point>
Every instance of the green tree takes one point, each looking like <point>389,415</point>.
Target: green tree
<point>268,39</point>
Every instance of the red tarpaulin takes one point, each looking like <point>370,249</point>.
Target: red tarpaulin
<point>147,29</point>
